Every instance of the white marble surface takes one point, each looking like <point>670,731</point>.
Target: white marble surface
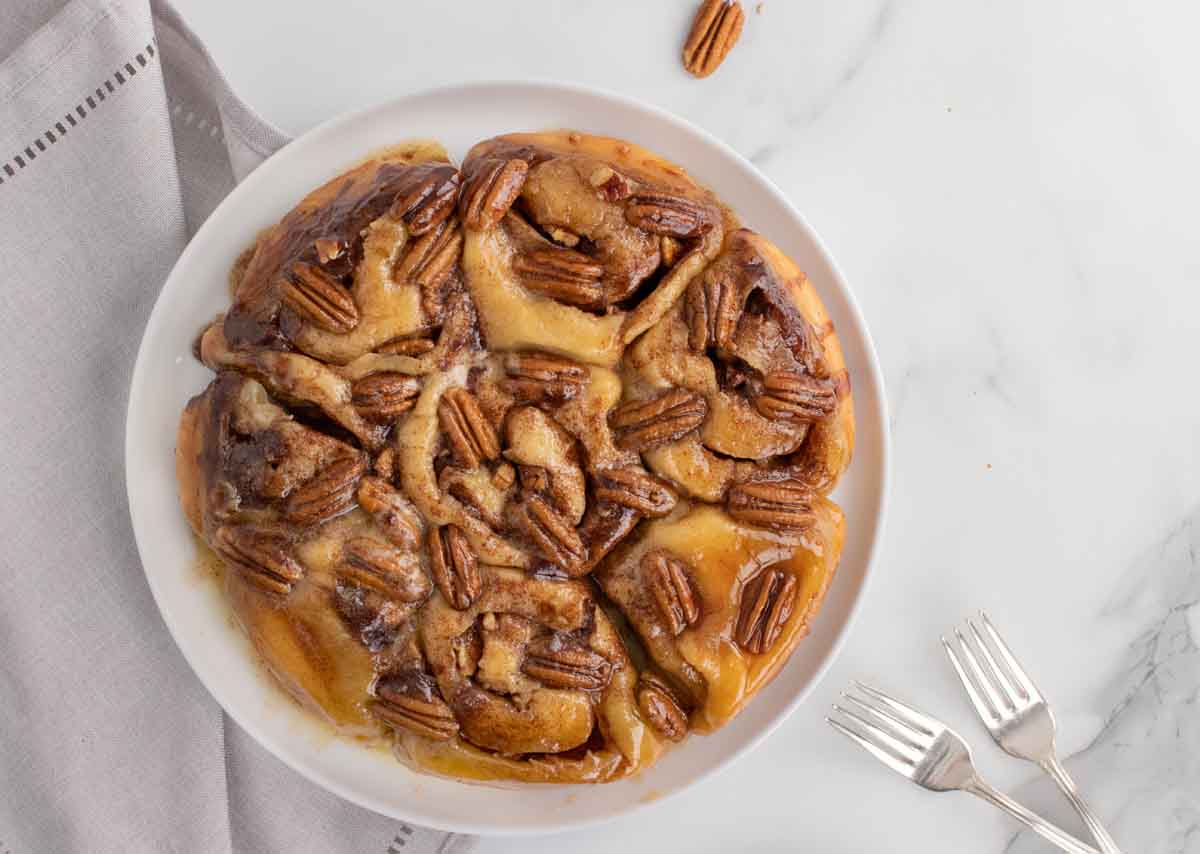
<point>1010,188</point>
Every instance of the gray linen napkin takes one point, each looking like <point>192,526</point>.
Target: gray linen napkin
<point>118,137</point>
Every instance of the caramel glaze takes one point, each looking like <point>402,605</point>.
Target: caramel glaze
<point>340,210</point>
<point>534,675</point>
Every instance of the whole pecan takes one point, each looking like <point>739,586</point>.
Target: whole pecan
<point>384,568</point>
<point>391,511</point>
<point>712,307</point>
<point>794,396</point>
<point>471,437</point>
<point>262,556</point>
<point>455,566</point>
<point>535,377</point>
<point>562,274</point>
<point>669,215</point>
<point>320,299</point>
<point>642,424</point>
<point>767,602</point>
<point>490,191</point>
<point>329,493</point>
<point>559,663</point>
<point>429,198</point>
<point>782,505</point>
<point>553,534</point>
<point>410,700</point>
<point>714,33</point>
<point>670,584</point>
<point>385,396</point>
<point>635,488</point>
<point>660,707</point>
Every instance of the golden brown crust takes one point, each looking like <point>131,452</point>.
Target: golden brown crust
<point>466,424</point>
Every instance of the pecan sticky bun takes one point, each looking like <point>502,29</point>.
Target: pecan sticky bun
<point>526,464</point>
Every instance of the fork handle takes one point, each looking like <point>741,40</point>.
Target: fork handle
<point>1032,820</point>
<point>1059,774</point>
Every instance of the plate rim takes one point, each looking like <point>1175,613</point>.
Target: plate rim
<point>511,87</point>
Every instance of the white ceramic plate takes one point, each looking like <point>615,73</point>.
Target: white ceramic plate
<point>166,376</point>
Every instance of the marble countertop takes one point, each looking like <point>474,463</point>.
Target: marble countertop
<point>1010,189</point>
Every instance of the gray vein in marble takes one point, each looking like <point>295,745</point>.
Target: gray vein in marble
<point>858,58</point>
<point>994,381</point>
<point>901,391</point>
<point>1142,769</point>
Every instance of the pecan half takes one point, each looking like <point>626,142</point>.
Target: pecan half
<point>385,569</point>
<point>429,261</point>
<point>712,308</point>
<point>782,505</point>
<point>660,707</point>
<point>553,534</point>
<point>260,555</point>
<point>472,438</point>
<point>642,424</point>
<point>670,215</point>
<point>320,299</point>
<point>714,33</point>
<point>635,488</point>
<point>558,663</point>
<point>406,347</point>
<point>385,396</point>
<point>490,192</point>
<point>670,583</point>
<point>562,274</point>
<point>391,511</point>
<point>610,184</point>
<point>411,701</point>
<point>455,566</point>
<point>329,493</point>
<point>542,378</point>
<point>767,602</point>
<point>429,198</point>
<point>799,397</point>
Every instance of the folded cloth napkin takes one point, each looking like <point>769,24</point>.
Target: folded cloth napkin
<point>118,136</point>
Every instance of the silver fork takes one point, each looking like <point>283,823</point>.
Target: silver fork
<point>1014,711</point>
<point>930,754</point>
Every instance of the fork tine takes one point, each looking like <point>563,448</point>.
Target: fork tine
<point>1015,670</point>
<point>1010,691</point>
<point>922,723</point>
<point>898,729</point>
<point>880,736</point>
<point>896,761</point>
<point>981,706</point>
<point>975,669</point>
